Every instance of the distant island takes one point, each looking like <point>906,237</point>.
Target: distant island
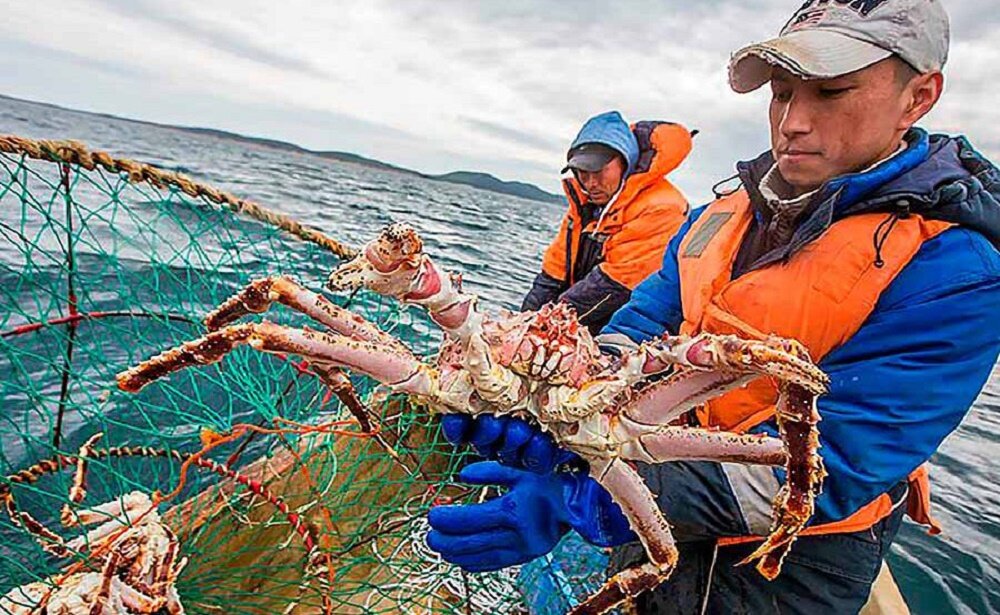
<point>485,181</point>
<point>482,181</point>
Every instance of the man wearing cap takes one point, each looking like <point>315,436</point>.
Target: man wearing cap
<point>868,240</point>
<point>622,212</point>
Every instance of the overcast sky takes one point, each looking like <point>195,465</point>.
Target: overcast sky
<point>438,85</point>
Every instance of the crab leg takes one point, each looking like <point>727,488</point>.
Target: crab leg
<point>103,601</point>
<point>114,594</point>
<point>258,296</point>
<point>78,490</point>
<point>338,382</point>
<point>656,404</point>
<point>681,392</point>
<point>142,595</point>
<point>797,418</point>
<point>772,357</point>
<point>688,443</point>
<point>797,450</point>
<point>630,492</point>
<point>705,366</point>
<point>399,370</point>
<point>49,540</point>
<point>169,569</point>
<point>394,264</point>
<point>152,558</point>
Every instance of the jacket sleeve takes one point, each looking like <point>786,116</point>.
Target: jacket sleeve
<point>636,250</point>
<point>596,297</point>
<point>545,289</point>
<point>899,387</point>
<point>655,305</point>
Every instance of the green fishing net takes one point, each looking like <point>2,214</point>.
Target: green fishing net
<point>99,271</point>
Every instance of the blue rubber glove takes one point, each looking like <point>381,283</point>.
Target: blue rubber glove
<point>512,441</point>
<point>525,522</point>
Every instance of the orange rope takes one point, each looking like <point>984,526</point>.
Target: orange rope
<point>212,439</point>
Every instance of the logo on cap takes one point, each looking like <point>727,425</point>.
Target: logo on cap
<point>862,6</point>
<point>805,19</point>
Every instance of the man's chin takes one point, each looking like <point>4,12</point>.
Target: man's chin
<point>801,177</point>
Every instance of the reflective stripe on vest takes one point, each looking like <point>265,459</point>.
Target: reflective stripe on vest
<point>821,296</point>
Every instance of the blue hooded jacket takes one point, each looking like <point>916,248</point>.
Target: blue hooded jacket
<point>611,129</point>
<point>907,378</point>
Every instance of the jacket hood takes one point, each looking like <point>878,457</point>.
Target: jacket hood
<point>660,148</point>
<point>663,146</point>
<point>936,176</point>
<point>610,129</point>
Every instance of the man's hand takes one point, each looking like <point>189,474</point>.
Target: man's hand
<point>525,522</point>
<point>512,441</point>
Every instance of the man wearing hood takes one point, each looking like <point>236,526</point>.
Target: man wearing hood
<point>622,212</point>
<point>872,243</point>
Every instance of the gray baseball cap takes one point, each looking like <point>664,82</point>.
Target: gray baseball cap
<point>831,38</point>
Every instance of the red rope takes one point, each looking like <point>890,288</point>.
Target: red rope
<point>77,316</point>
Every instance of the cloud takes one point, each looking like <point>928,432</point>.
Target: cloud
<point>71,59</point>
<point>187,27</point>
<point>518,137</point>
<point>444,84</point>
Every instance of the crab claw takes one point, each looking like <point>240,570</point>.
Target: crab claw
<point>386,265</point>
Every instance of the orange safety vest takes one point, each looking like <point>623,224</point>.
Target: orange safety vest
<point>820,297</point>
<point>647,213</point>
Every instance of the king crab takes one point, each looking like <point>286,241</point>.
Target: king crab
<point>136,555</point>
<point>545,367</point>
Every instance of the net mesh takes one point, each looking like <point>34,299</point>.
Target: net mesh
<point>99,271</point>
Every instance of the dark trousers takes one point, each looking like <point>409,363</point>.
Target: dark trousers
<point>824,575</point>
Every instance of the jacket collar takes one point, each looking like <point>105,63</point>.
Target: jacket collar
<point>842,192</point>
<point>937,176</point>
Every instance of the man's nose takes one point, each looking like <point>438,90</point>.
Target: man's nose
<point>797,118</point>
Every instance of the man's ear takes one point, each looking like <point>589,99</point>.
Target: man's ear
<point>924,92</point>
